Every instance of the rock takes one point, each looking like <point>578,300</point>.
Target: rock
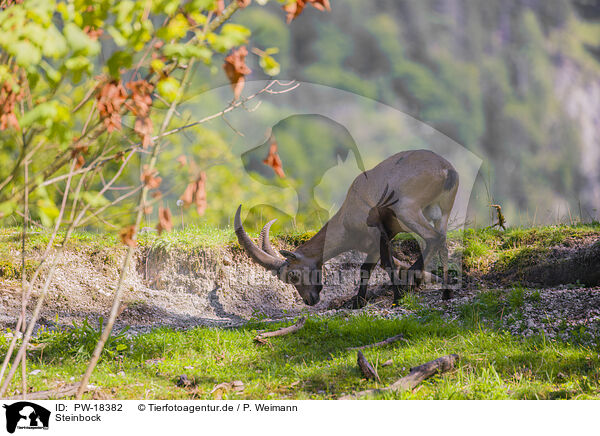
<point>183,381</point>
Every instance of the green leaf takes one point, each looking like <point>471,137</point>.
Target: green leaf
<point>187,51</point>
<point>119,59</point>
<point>93,199</point>
<point>232,35</point>
<point>157,65</point>
<point>78,63</point>
<point>47,211</point>
<point>119,39</point>
<point>7,208</point>
<point>54,44</point>
<point>168,88</point>
<point>176,29</point>
<point>26,53</point>
<point>79,41</point>
<point>39,114</point>
<point>52,74</point>
<point>269,65</point>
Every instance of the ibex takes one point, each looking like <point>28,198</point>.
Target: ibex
<point>412,191</point>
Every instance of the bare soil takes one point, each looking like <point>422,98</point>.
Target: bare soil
<point>222,287</point>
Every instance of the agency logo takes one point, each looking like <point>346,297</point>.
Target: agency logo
<point>26,415</point>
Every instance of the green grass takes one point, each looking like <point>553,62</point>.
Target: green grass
<point>314,362</point>
<point>517,247</point>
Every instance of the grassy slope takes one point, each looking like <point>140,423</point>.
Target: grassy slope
<point>480,248</point>
<point>314,362</point>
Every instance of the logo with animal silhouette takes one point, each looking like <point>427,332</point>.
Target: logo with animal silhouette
<point>26,415</point>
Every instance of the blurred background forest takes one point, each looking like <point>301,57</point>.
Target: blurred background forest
<point>516,82</point>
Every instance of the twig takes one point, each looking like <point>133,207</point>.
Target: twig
<point>21,320</point>
<point>63,391</point>
<point>366,368</point>
<point>228,109</point>
<point>23,278</point>
<point>414,377</point>
<point>387,341</point>
<point>120,287</point>
<point>281,332</point>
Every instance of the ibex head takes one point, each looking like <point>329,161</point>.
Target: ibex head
<point>295,268</point>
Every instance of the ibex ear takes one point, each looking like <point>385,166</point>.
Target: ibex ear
<point>288,254</point>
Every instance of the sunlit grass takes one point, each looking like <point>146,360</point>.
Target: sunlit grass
<point>315,362</point>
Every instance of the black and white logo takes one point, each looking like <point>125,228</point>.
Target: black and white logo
<point>26,415</point>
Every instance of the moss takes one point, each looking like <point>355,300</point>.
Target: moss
<point>12,270</point>
<point>520,258</point>
<point>8,270</point>
<point>296,239</point>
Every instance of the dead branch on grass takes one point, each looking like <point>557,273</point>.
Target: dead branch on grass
<point>414,377</point>
<point>366,368</point>
<point>55,394</point>
<point>281,332</point>
<point>387,341</point>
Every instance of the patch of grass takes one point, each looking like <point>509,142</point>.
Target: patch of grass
<point>534,296</point>
<point>519,258</point>
<point>488,305</point>
<point>315,363</point>
<point>412,301</point>
<point>516,297</point>
<point>79,342</point>
<point>295,239</point>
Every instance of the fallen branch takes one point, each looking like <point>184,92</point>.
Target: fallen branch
<point>63,391</point>
<point>414,377</point>
<point>366,368</point>
<point>281,332</point>
<point>387,341</point>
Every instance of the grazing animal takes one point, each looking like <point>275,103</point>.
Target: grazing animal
<point>411,191</point>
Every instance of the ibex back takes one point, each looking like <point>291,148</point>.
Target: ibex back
<point>412,191</point>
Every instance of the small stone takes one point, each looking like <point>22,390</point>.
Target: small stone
<point>183,381</point>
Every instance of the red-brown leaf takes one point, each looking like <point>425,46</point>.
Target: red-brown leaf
<point>127,235</point>
<point>182,160</point>
<point>273,160</point>
<point>110,97</point>
<point>236,70</point>
<point>200,197</point>
<point>80,162</point>
<point>295,8</point>
<point>195,193</point>
<point>322,5</point>
<point>9,98</point>
<point>219,6</point>
<point>164,220</point>
<point>150,179</point>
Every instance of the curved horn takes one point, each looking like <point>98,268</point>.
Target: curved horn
<point>259,256</point>
<point>263,240</point>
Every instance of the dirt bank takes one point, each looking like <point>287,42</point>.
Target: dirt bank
<point>185,287</point>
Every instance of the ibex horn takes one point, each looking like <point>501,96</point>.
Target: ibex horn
<point>263,240</point>
<point>264,259</point>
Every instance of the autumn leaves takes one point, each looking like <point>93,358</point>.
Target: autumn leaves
<point>295,8</point>
<point>236,70</point>
<point>235,64</point>
<point>111,96</point>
